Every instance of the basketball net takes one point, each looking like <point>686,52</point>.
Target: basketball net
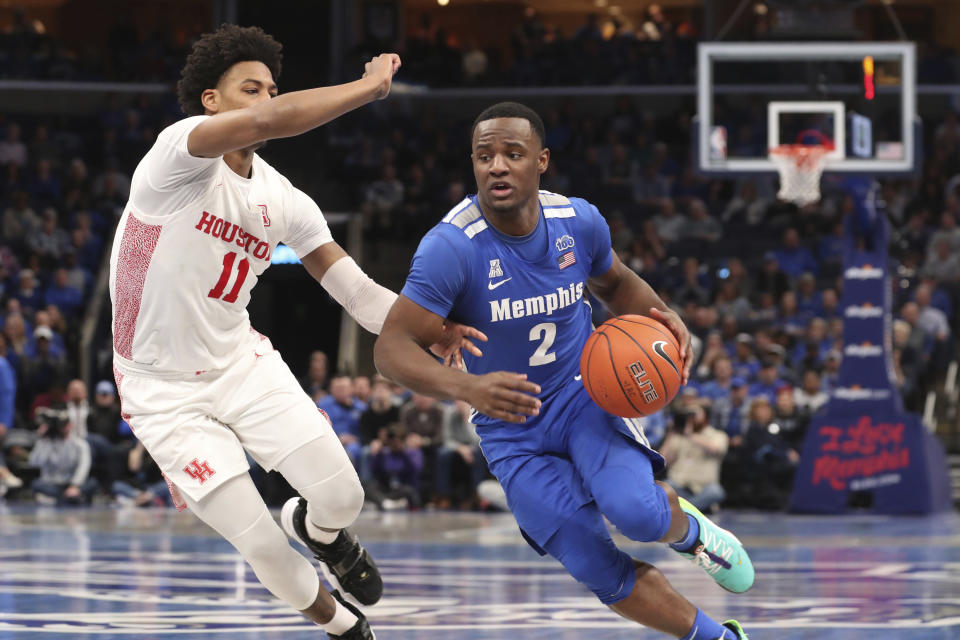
<point>800,167</point>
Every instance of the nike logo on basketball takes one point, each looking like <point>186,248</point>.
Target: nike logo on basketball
<point>658,348</point>
<point>494,285</point>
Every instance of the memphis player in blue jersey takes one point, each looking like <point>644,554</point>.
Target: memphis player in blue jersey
<point>516,263</point>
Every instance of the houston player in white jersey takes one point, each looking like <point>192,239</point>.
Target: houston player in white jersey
<point>198,385</point>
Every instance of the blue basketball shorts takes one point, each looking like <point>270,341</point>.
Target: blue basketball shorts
<point>565,470</point>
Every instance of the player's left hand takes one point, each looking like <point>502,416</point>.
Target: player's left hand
<point>675,324</point>
<point>455,337</point>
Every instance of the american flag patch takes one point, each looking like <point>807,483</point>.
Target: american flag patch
<point>566,260</point>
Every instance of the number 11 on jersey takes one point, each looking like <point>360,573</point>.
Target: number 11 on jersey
<point>242,269</point>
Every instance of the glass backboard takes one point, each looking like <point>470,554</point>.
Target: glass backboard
<point>861,97</point>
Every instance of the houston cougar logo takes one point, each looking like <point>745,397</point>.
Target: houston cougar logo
<point>658,348</point>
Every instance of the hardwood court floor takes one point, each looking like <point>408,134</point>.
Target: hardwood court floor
<point>128,574</point>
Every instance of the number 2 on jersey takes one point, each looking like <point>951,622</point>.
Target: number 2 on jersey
<point>549,332</point>
<point>242,269</point>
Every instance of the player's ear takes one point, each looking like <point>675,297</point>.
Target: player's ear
<point>210,99</point>
<point>543,160</point>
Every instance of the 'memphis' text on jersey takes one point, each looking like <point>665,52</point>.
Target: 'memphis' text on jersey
<point>232,233</point>
<point>508,309</point>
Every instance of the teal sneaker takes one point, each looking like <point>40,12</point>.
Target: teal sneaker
<point>719,553</point>
<point>734,626</point>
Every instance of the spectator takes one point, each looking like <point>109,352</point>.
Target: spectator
<point>789,319</point>
<point>933,321</point>
<point>396,469</point>
<point>745,364</point>
<point>19,343</point>
<point>143,484</point>
<point>668,223</point>
<point>12,149</point>
<point>315,382</point>
<point>460,463</point>
<point>713,351</point>
<point>809,397</point>
<point>63,462</point>
<point>48,241</point>
<point>103,418</point>
<point>65,297</point>
<point>45,187</point>
<point>362,389</point>
<point>380,413</point>
<point>948,231</point>
<point>768,381</point>
<point>829,304</point>
<point>771,460</point>
<point>422,420</point>
<point>747,208</point>
<point>720,386</point>
<point>656,27</point>
<point>730,301</point>
<point>78,407</point>
<point>793,258</point>
<point>729,413</point>
<point>382,199</point>
<point>771,279</point>
<point>110,439</point>
<point>28,292</point>
<point>694,451</point>
<point>793,422</point>
<point>423,416</point>
<point>812,349</point>
<point>38,372</point>
<point>19,220</point>
<point>701,225</point>
<point>650,189</point>
<point>942,263</point>
<point>344,412</point>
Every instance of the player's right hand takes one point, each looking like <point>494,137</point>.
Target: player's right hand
<point>504,396</point>
<point>382,68</point>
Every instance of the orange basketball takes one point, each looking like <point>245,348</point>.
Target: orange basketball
<point>631,366</point>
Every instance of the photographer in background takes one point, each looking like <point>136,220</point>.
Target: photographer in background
<point>694,451</point>
<point>63,462</point>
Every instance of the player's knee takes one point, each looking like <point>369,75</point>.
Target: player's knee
<point>260,544</point>
<point>610,578</point>
<point>641,515</point>
<point>335,504</point>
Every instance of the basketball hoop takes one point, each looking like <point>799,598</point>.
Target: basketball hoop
<point>800,167</point>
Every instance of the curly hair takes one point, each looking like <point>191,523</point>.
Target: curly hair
<point>213,55</point>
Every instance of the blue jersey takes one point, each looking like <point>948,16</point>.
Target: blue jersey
<point>526,293</point>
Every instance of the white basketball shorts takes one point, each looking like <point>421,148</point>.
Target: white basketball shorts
<point>196,427</point>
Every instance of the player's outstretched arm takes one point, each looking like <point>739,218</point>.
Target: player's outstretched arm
<point>400,355</point>
<point>623,291</point>
<point>291,114</point>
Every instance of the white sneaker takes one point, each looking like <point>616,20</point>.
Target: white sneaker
<point>390,504</point>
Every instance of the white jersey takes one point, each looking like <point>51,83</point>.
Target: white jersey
<point>188,250</point>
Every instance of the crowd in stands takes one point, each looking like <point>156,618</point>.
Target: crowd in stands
<point>757,281</point>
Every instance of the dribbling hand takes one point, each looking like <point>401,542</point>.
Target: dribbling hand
<point>382,67</point>
<point>504,396</point>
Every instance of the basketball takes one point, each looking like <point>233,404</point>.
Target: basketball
<point>631,366</point>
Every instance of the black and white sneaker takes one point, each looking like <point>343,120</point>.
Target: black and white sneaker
<point>361,630</point>
<point>346,564</point>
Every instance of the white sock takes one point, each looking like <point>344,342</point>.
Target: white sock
<point>323,536</point>
<point>341,622</point>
